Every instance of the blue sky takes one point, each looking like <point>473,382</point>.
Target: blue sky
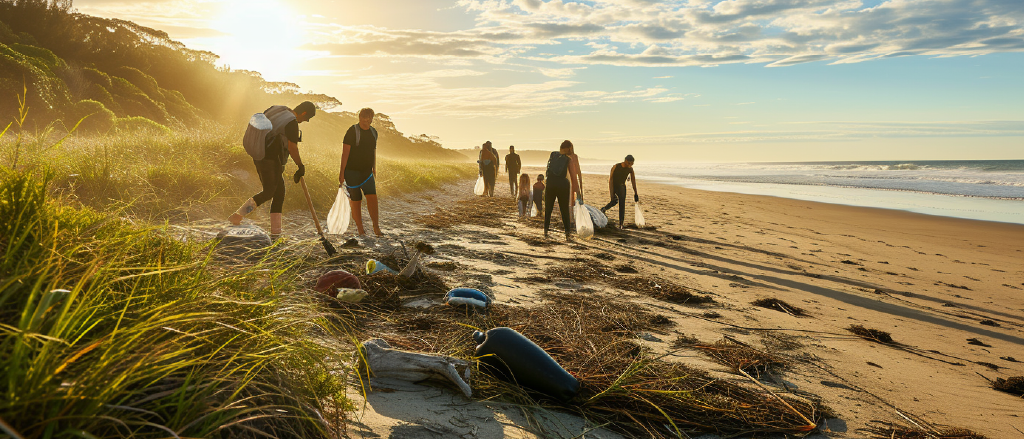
<point>689,80</point>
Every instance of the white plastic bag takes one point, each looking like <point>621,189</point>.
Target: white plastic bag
<point>533,210</point>
<point>638,216</point>
<point>479,189</point>
<point>584,225</point>
<point>600,220</point>
<point>340,214</point>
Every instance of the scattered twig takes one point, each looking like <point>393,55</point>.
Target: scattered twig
<point>797,412</point>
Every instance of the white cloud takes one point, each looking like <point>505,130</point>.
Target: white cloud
<point>426,93</point>
<point>832,131</point>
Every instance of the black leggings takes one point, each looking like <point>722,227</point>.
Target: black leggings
<point>561,193</point>
<point>271,175</point>
<point>513,182</point>
<point>620,199</point>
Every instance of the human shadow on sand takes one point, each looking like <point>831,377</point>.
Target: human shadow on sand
<point>871,303</point>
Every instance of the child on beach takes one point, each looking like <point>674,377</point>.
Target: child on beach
<point>524,196</point>
<point>538,192</point>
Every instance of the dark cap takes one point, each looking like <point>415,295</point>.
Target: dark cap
<point>629,158</point>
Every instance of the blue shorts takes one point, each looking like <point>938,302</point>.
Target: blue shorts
<point>359,183</point>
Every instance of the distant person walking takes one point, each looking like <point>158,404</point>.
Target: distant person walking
<point>282,141</point>
<point>617,186</point>
<point>523,200</point>
<point>359,169</point>
<point>538,193</point>
<point>488,160</point>
<point>560,173</point>
<point>512,166</point>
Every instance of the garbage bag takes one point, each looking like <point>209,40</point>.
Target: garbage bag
<point>479,189</point>
<point>340,214</point>
<point>638,216</point>
<point>584,225</point>
<point>600,219</point>
<point>517,359</point>
<point>533,210</point>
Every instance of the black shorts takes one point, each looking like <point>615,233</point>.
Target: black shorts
<point>359,183</point>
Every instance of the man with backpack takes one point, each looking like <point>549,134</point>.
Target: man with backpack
<point>488,160</point>
<point>512,166</point>
<point>270,144</point>
<point>358,169</point>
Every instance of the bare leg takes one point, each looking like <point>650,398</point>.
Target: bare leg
<point>357,215</point>
<point>371,206</point>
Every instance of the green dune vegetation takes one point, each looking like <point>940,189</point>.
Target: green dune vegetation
<point>110,326</point>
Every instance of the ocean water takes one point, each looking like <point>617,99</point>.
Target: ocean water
<point>990,190</point>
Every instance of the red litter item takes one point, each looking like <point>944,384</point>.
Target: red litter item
<point>331,281</point>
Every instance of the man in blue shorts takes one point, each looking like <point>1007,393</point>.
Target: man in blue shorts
<point>359,167</point>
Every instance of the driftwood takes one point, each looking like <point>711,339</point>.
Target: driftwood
<point>381,361</point>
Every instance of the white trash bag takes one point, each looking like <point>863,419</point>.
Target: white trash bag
<point>639,216</point>
<point>600,219</point>
<point>584,225</point>
<point>479,189</point>
<point>341,213</point>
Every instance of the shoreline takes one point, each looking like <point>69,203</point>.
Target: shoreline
<point>938,204</point>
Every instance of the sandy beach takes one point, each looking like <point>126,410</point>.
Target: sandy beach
<point>948,291</point>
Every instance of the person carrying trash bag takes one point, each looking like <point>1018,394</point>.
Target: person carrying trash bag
<point>512,166</point>
<point>560,171</point>
<point>617,187</point>
<point>280,142</point>
<point>488,161</point>
<point>525,194</point>
<point>359,168</point>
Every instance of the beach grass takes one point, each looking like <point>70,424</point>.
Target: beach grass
<point>114,329</point>
<point>161,175</point>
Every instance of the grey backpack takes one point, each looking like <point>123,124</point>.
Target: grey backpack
<point>265,129</point>
<point>372,130</point>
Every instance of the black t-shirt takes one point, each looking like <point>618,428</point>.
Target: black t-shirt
<point>360,157</point>
<point>619,175</point>
<point>513,163</point>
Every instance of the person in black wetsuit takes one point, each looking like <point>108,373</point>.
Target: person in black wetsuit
<point>359,167</point>
<point>560,170</point>
<point>282,141</point>
<point>617,186</point>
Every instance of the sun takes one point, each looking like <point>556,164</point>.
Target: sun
<point>259,35</point>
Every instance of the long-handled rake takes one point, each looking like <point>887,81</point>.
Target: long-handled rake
<point>331,251</point>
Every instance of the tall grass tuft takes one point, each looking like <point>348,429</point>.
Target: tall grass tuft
<point>164,175</point>
<point>109,329</point>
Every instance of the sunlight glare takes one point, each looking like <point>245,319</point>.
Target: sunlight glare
<point>261,35</point>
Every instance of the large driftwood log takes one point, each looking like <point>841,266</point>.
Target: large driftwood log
<point>381,361</point>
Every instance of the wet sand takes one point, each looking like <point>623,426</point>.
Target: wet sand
<point>934,283</point>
